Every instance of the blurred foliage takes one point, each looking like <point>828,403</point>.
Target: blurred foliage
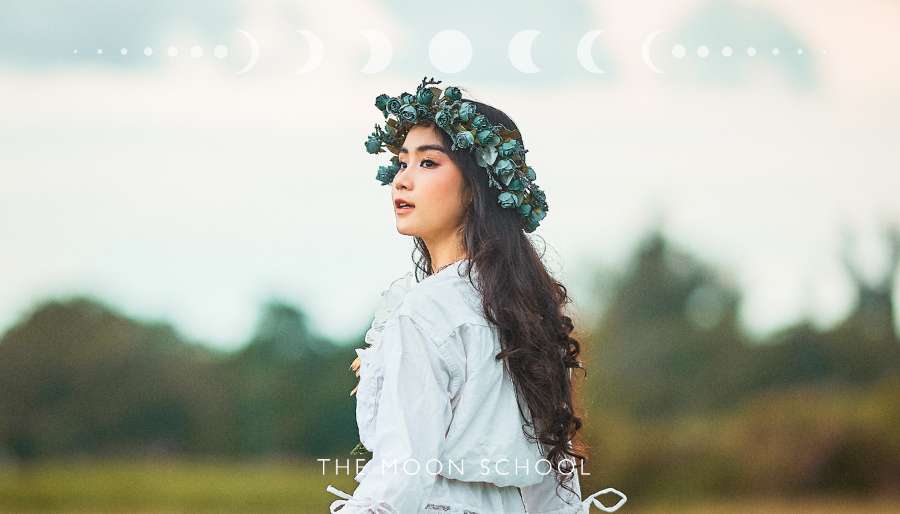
<point>678,401</point>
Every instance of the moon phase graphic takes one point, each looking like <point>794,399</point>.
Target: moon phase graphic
<point>254,52</point>
<point>316,51</point>
<point>584,51</point>
<point>380,51</point>
<point>520,48</point>
<point>645,51</point>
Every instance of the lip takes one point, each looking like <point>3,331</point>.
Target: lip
<point>404,210</point>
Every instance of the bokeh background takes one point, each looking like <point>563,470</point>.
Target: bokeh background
<point>192,241</point>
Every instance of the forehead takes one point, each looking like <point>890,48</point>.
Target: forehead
<point>421,135</point>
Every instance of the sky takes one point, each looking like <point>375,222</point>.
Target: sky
<point>184,161</point>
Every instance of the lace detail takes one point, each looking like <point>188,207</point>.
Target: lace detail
<point>367,505</point>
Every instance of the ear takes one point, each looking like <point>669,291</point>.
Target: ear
<point>468,196</point>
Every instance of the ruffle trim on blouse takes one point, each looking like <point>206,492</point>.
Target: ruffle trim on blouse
<point>390,299</point>
<point>368,505</point>
<point>371,370</point>
<point>371,506</point>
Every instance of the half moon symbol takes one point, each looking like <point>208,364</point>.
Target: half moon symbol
<point>520,48</point>
<point>584,51</point>
<point>645,51</point>
<point>316,50</point>
<point>254,52</point>
<point>380,51</point>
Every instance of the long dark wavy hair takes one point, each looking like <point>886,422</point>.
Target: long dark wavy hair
<point>526,303</point>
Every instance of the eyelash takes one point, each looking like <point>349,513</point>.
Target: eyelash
<point>403,164</point>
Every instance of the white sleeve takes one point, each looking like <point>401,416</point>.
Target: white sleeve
<point>414,413</point>
<point>542,498</point>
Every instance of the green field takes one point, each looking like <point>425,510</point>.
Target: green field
<point>176,487</point>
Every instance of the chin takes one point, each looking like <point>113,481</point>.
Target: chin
<point>405,228</point>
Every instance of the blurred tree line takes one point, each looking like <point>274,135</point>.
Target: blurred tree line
<point>678,400</point>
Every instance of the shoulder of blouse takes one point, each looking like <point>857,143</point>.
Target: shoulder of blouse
<point>443,302</point>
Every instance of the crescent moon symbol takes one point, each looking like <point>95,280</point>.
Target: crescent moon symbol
<point>584,51</point>
<point>645,51</point>
<point>520,47</point>
<point>316,50</point>
<point>254,52</point>
<point>380,51</point>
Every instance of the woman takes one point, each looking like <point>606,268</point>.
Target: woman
<point>465,395</point>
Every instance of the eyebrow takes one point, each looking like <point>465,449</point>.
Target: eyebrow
<point>423,148</point>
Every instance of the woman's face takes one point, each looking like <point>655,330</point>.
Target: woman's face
<point>430,181</point>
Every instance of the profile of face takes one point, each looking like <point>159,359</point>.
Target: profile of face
<point>428,190</point>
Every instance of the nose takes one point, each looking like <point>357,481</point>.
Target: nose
<point>402,180</point>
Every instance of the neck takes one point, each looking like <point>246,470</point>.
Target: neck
<point>445,251</point>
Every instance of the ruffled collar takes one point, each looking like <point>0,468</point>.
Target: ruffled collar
<point>387,303</point>
<point>393,296</point>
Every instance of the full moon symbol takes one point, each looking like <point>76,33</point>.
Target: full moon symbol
<point>584,51</point>
<point>316,50</point>
<point>520,47</point>
<point>380,51</point>
<point>645,51</point>
<point>254,52</point>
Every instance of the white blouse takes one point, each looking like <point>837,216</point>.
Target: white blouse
<point>440,414</point>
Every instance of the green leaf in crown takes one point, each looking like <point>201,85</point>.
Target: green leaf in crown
<point>495,148</point>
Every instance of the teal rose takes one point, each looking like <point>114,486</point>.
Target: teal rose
<point>464,139</point>
<point>509,148</point>
<point>406,98</point>
<point>394,105</point>
<point>507,200</point>
<point>488,138</point>
<point>530,174</point>
<point>467,111</point>
<point>386,174</point>
<point>452,94</point>
<point>408,113</point>
<point>516,185</point>
<point>481,122</point>
<point>525,209</point>
<point>373,144</point>
<point>444,118</point>
<point>382,101</point>
<point>424,96</point>
<point>503,166</point>
<point>504,170</point>
<point>422,112</point>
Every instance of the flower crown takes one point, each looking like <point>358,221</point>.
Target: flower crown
<point>496,149</point>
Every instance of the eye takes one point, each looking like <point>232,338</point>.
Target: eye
<point>429,160</point>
